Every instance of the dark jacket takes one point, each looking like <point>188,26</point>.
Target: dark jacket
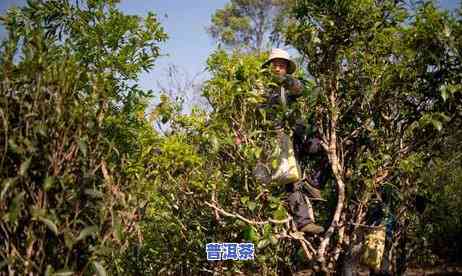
<point>311,156</point>
<point>309,153</point>
<point>275,111</point>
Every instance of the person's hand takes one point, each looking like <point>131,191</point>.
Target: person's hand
<point>293,85</point>
<point>279,80</point>
<point>288,81</point>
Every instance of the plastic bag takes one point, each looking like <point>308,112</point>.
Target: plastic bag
<point>287,170</point>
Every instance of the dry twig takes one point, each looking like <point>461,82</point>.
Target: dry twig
<point>249,221</point>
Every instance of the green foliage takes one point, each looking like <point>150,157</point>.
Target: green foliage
<point>384,77</point>
<point>85,177</point>
<point>210,158</point>
<point>390,112</point>
<point>437,221</point>
<point>68,203</point>
<point>246,24</point>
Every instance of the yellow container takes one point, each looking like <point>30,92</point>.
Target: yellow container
<point>374,247</point>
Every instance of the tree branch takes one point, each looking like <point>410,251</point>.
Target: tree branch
<point>336,169</point>
<point>249,221</point>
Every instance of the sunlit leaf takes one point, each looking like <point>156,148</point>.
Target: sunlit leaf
<point>50,224</point>
<point>101,271</point>
<point>87,231</point>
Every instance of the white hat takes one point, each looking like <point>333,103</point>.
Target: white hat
<point>279,53</point>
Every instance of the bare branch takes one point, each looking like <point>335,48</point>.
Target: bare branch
<point>249,221</point>
<point>214,192</point>
<point>310,208</point>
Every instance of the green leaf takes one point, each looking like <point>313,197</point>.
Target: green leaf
<point>87,231</point>
<point>69,239</point>
<point>101,271</point>
<point>444,92</point>
<point>48,183</point>
<point>38,212</point>
<point>438,125</point>
<point>14,147</point>
<point>280,213</point>
<point>267,230</point>
<point>274,163</point>
<point>24,167</point>
<point>64,272</point>
<point>93,193</point>
<point>50,224</point>
<point>3,264</point>
<point>6,184</point>
<point>83,147</point>
<point>257,153</point>
<point>250,234</point>
<point>15,207</point>
<point>263,243</point>
<point>118,230</point>
<point>244,199</point>
<point>251,205</point>
<point>273,240</point>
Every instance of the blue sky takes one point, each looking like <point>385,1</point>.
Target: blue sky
<point>188,45</point>
<point>185,21</point>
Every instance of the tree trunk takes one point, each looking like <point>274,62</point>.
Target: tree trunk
<point>330,143</point>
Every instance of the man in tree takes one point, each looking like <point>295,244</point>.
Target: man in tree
<point>288,89</point>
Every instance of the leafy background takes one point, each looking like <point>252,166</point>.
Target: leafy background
<point>88,185</point>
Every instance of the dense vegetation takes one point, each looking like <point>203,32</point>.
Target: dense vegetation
<point>70,125</point>
<point>89,186</point>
